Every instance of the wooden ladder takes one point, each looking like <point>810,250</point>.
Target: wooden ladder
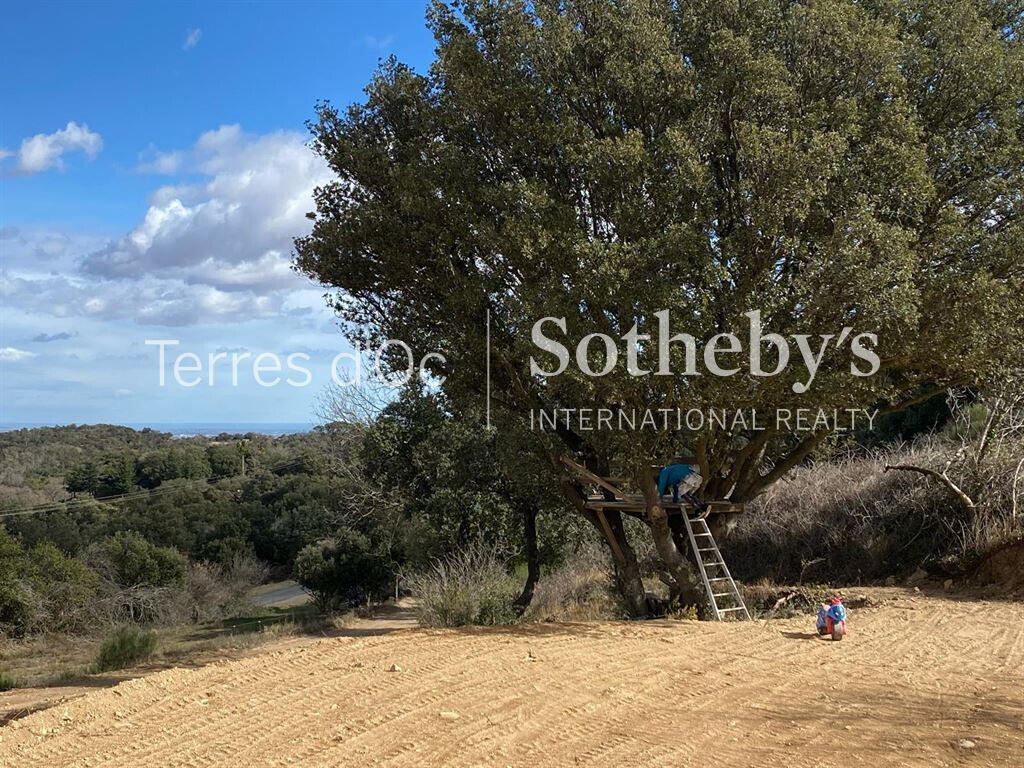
<point>719,583</point>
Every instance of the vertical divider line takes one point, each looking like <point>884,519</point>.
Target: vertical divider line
<point>488,368</point>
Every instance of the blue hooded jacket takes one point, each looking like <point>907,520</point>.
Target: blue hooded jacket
<point>671,476</point>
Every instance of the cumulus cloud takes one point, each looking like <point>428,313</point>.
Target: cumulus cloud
<point>45,150</point>
<point>166,163</point>
<point>34,251</point>
<point>192,38</point>
<point>214,245</point>
<point>233,230</point>
<point>14,355</point>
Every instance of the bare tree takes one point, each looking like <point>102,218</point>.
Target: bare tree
<point>347,414</point>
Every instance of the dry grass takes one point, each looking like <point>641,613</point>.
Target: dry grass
<point>55,657</point>
<point>471,586</point>
<point>574,593</point>
<point>580,590</point>
<point>848,520</point>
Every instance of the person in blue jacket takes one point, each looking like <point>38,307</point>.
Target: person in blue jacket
<point>683,479</point>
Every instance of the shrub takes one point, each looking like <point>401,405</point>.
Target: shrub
<point>67,588</point>
<point>128,560</point>
<point>43,588</point>
<point>342,570</point>
<point>128,645</point>
<point>6,682</point>
<point>219,591</point>
<point>20,608</point>
<point>468,587</point>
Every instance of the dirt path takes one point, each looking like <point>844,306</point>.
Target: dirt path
<point>915,677</point>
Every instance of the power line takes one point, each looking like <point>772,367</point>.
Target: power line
<point>53,506</point>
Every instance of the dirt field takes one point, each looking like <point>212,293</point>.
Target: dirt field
<point>917,682</point>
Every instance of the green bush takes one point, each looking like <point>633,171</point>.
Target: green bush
<point>342,570</point>
<point>6,682</point>
<point>468,587</point>
<point>127,559</point>
<point>18,608</point>
<point>127,646</point>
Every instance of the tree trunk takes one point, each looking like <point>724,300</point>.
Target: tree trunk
<point>532,556</point>
<point>627,571</point>
<point>684,589</point>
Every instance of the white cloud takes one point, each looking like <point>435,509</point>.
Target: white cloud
<point>32,252</point>
<point>192,38</point>
<point>14,355</point>
<point>150,301</point>
<point>231,231</point>
<point>166,163</point>
<point>44,150</point>
<point>214,245</point>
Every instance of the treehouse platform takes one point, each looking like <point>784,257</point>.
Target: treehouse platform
<point>611,496</point>
<point>634,504</point>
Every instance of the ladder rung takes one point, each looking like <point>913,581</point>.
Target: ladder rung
<point>722,594</point>
<point>712,549</point>
<point>702,534</point>
<point>726,610</point>
<point>720,578</point>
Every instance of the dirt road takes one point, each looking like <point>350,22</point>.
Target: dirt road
<point>925,681</point>
<point>281,594</point>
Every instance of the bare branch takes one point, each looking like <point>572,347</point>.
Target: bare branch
<point>965,501</point>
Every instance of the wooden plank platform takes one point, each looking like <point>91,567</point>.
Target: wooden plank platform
<point>630,502</point>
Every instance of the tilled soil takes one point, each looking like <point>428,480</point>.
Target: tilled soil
<point>920,680</point>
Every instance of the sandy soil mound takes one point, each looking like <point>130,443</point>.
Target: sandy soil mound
<point>920,681</point>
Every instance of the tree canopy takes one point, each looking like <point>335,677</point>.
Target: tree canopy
<point>828,164</point>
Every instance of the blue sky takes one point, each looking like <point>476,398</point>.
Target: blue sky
<point>153,171</point>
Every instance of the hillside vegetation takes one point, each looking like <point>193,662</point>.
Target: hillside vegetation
<point>145,529</point>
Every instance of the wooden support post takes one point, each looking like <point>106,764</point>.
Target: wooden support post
<point>612,541</point>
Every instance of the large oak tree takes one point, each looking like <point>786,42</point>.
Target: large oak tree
<point>828,163</point>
